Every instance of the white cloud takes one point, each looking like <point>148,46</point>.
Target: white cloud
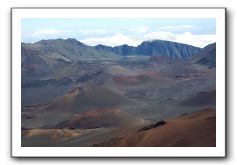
<point>200,40</point>
<point>142,29</point>
<point>132,39</point>
<point>120,39</point>
<point>160,35</point>
<point>46,32</point>
<point>115,40</point>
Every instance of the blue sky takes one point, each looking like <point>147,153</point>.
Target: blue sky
<point>113,32</point>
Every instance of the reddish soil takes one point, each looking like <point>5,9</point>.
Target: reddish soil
<point>196,129</point>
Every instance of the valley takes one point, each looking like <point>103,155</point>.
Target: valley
<point>76,95</point>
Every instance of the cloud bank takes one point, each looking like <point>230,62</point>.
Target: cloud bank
<point>115,40</point>
<point>130,36</point>
<point>119,39</point>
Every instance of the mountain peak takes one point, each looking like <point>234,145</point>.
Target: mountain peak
<point>60,40</point>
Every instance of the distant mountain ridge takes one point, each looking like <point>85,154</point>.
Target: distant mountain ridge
<point>151,48</point>
<point>69,50</point>
<point>46,56</point>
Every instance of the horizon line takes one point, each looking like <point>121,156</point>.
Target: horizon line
<point>112,46</point>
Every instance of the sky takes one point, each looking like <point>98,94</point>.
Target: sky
<point>114,32</point>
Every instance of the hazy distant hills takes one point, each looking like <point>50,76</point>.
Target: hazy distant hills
<point>157,47</point>
<point>67,50</point>
<point>44,56</point>
<point>47,56</point>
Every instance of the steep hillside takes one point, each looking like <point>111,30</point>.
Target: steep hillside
<point>157,47</point>
<point>44,56</point>
<point>207,56</point>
